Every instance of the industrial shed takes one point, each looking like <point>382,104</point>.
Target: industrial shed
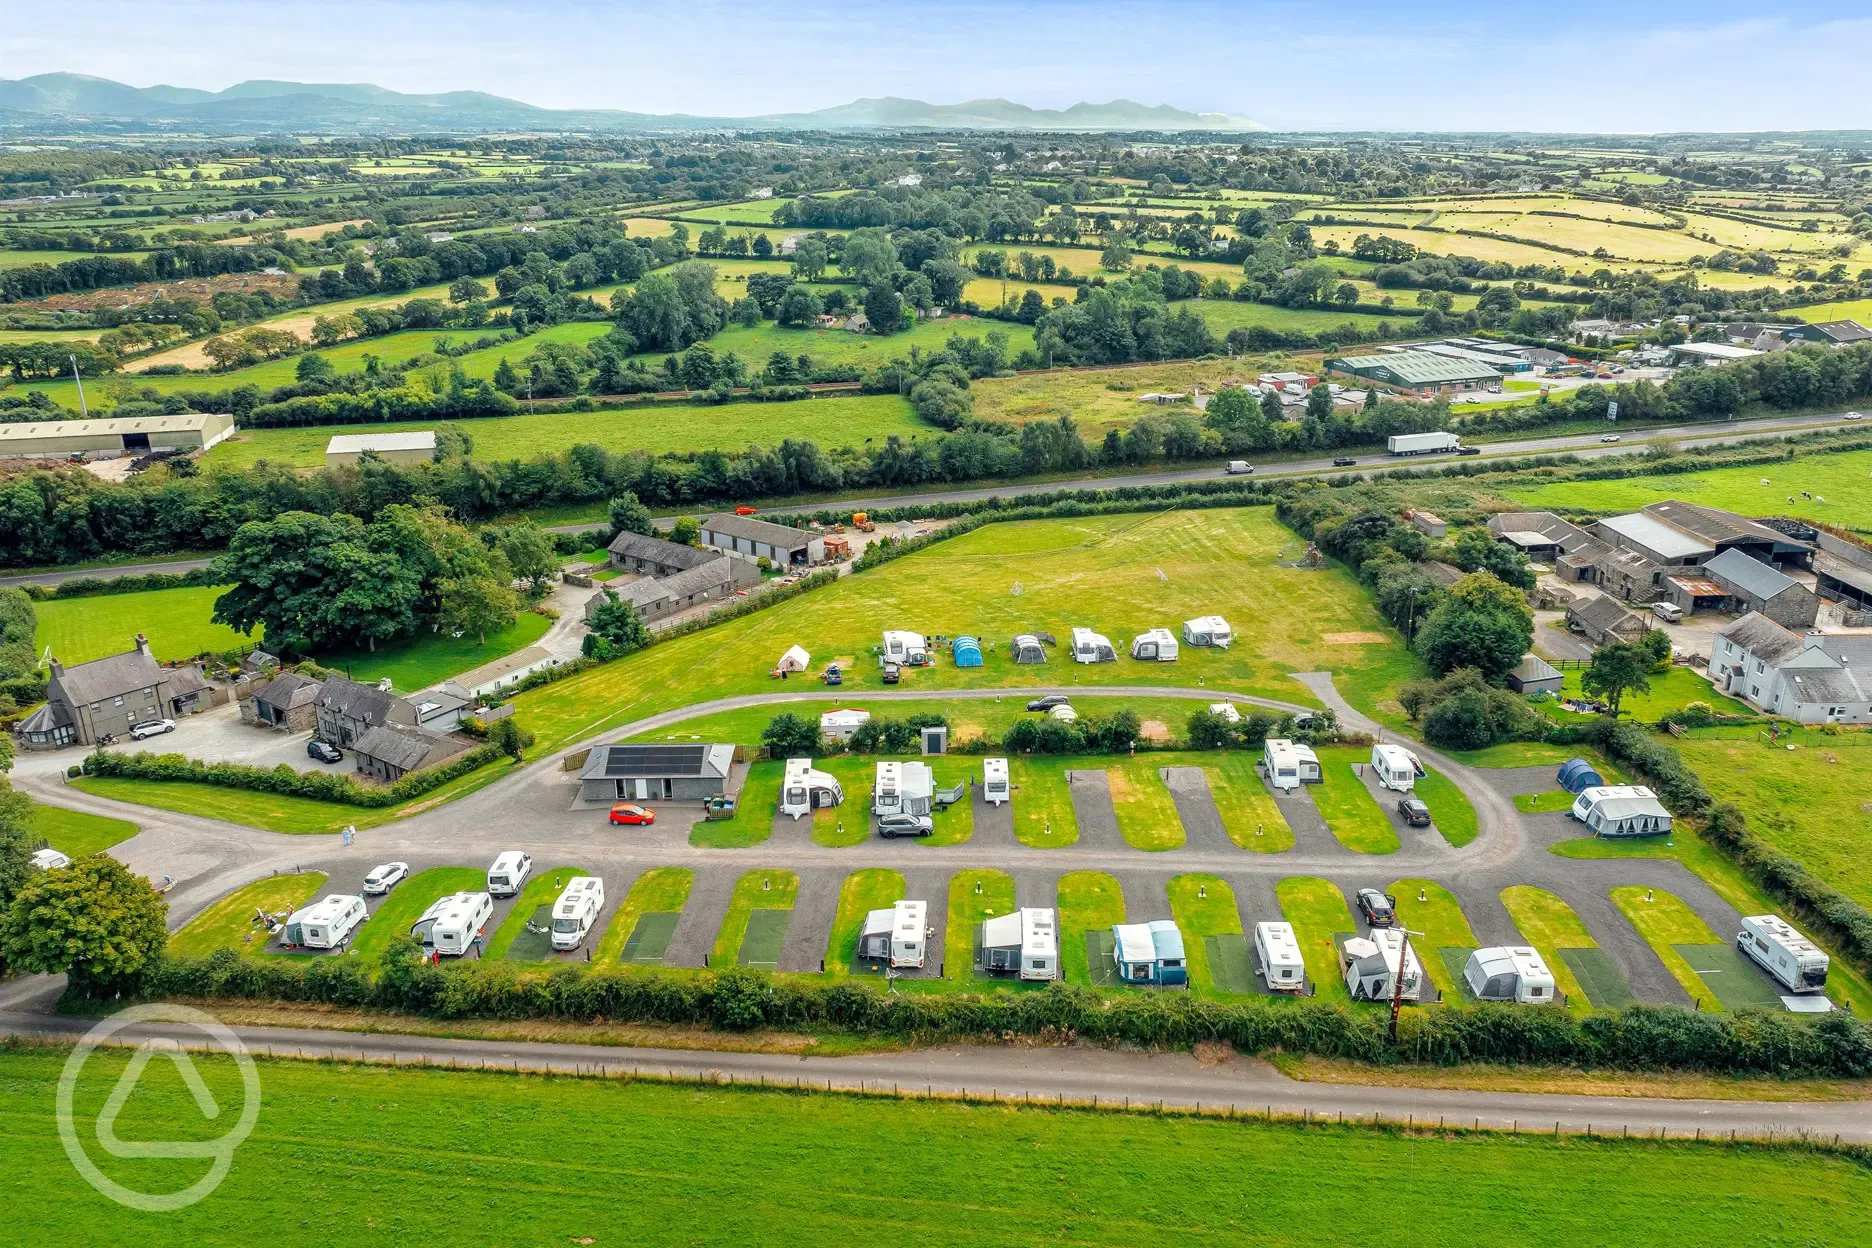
<point>1419,372</point>
<point>416,446</point>
<point>136,435</point>
<point>779,544</point>
<point>692,773</point>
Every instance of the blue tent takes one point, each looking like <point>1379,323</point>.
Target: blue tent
<point>966,651</point>
<point>1577,774</point>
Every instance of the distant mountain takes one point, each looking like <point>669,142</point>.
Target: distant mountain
<point>75,102</point>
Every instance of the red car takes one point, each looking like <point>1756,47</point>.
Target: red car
<point>744,510</point>
<point>628,812</point>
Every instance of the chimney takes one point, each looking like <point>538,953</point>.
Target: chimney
<point>57,668</point>
<point>142,645</point>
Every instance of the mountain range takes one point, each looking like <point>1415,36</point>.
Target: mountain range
<point>77,103</point>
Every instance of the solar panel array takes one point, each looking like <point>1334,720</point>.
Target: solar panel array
<point>655,760</point>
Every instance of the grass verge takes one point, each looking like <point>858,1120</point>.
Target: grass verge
<point>229,923</point>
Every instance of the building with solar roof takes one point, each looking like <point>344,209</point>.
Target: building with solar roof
<point>674,773</point>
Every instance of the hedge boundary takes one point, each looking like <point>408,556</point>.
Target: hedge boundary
<point>316,785</point>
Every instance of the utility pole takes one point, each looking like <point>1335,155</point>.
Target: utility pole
<point>82,409</point>
<point>1397,981</point>
<point>1410,626</point>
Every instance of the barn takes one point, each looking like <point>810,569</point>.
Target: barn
<point>111,439</point>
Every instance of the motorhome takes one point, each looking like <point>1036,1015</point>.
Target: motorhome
<point>452,925</point>
<point>576,912</point>
<point>1789,957</point>
<point>1091,647</point>
<point>1281,762</point>
<point>1208,630</point>
<point>804,790</point>
<point>1509,973</point>
<point>1371,964</point>
<point>1617,810</point>
<point>995,788</point>
<point>325,924</point>
<point>1277,957</point>
<point>897,934</point>
<point>904,648</point>
<point>903,789</point>
<point>1157,645</point>
<point>1025,942</point>
<point>1392,766</point>
<point>509,873</point>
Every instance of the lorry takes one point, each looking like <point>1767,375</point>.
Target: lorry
<point>1790,958</point>
<point>1422,443</point>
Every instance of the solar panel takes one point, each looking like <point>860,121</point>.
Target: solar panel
<point>655,760</point>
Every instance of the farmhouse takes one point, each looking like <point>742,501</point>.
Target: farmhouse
<point>345,710</point>
<point>135,435</point>
<point>1603,621</point>
<point>414,447</point>
<point>683,773</point>
<point>779,544</point>
<point>110,696</point>
<point>1812,678</point>
<point>1418,372</point>
<point>389,751</point>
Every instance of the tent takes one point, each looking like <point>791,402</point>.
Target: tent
<point>1026,648</point>
<point>1064,713</point>
<point>1576,774</point>
<point>794,660</point>
<point>966,652</point>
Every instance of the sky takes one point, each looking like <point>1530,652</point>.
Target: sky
<point>1406,65</point>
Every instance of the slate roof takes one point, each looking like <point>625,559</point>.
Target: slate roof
<point>186,680</point>
<point>289,690</point>
<point>656,550</point>
<point>1843,331</point>
<point>1763,638</point>
<point>406,748</point>
<point>1751,576</point>
<point>506,665</point>
<point>352,700</point>
<point>111,677</point>
<point>781,536</point>
<point>1823,684</point>
<point>1601,612</point>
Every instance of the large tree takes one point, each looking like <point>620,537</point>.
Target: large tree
<point>530,553</point>
<point>630,516</point>
<point>314,582</point>
<point>96,921</point>
<point>1616,670</point>
<point>479,602</point>
<point>1481,623</point>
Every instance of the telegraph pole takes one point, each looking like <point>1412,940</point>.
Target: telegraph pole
<point>1397,981</point>
<point>83,410</point>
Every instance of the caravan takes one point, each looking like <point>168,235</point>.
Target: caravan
<point>804,790</point>
<point>995,789</point>
<point>904,648</point>
<point>450,927</point>
<point>1208,630</point>
<point>1784,953</point>
<point>325,924</point>
<point>1277,957</point>
<point>896,934</point>
<point>1394,767</point>
<point>1281,762</point>
<point>1025,942</point>
<point>1621,810</point>
<point>1150,953</point>
<point>1372,962</point>
<point>509,873</point>
<point>903,789</point>
<point>1091,647</point>
<point>1509,973</point>
<point>576,912</point>
<point>1159,644</point>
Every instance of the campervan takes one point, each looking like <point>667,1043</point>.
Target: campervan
<point>325,924</point>
<point>896,934</point>
<point>1784,953</point>
<point>1159,644</point>
<point>452,925</point>
<point>1509,973</point>
<point>1392,765</point>
<point>576,912</point>
<point>1091,647</point>
<point>509,873</point>
<point>803,790</point>
<point>1025,942</point>
<point>904,648</point>
<point>1208,630</point>
<point>995,781</point>
<point>1281,762</point>
<point>1372,966</point>
<point>1277,957</point>
<point>903,789</point>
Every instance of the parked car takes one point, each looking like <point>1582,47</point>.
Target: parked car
<point>324,751</point>
<point>152,728</point>
<point>892,673</point>
<point>832,675</point>
<point>1610,437</point>
<point>905,825</point>
<point>744,510</point>
<point>1378,909</point>
<point>1468,450</point>
<point>1049,702</point>
<point>384,878</point>
<point>631,813</point>
<point>1415,813</point>
<point>1344,461</point>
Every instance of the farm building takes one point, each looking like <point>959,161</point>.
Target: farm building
<point>779,544</point>
<point>1813,678</point>
<point>1026,648</point>
<point>1546,538</point>
<point>1621,810</point>
<point>1535,675</point>
<point>110,696</point>
<point>1430,525</point>
<point>414,447</point>
<point>965,652</point>
<point>657,598</point>
<point>1751,585</point>
<point>345,710</point>
<point>285,702</point>
<point>1025,943</point>
<point>653,556</point>
<point>841,724</point>
<point>1577,775</point>
<point>1663,544</point>
<point>1673,533</point>
<point>503,673</point>
<point>1689,353</point>
<point>389,751</point>
<point>1828,333</point>
<point>684,773</point>
<point>1150,953</point>
<point>1603,621</point>
<point>1418,372</point>
<point>133,435</point>
<point>1509,973</point>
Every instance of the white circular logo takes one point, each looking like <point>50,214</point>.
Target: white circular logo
<point>221,1150</point>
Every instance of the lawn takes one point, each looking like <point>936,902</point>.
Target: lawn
<point>272,812</point>
<point>755,807</point>
<point>1089,901</point>
<point>1838,482</point>
<point>1204,909</point>
<point>1147,816</point>
<point>1549,924</point>
<point>542,890</point>
<point>396,913</point>
<point>1440,918</point>
<point>1347,806</point>
<point>1250,815</point>
<point>768,890</point>
<point>554,1160</point>
<point>176,621</point>
<point>874,888</point>
<point>425,661</point>
<point>1670,691</point>
<point>1666,922</point>
<point>661,890</point>
<point>1318,912</point>
<point>229,923</point>
<point>973,896</point>
<point>1455,817</point>
<point>1531,754</point>
<point>1553,802</point>
<point>1043,811</point>
<point>850,824</point>
<point>76,833</point>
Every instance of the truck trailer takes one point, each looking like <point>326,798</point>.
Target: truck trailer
<point>1422,443</point>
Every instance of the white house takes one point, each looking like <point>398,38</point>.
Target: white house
<point>910,179</point>
<point>1812,678</point>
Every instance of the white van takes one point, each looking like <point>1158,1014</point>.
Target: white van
<point>509,873</point>
<point>1669,612</point>
<point>995,781</point>
<point>452,925</point>
<point>1277,957</point>
<point>576,912</point>
<point>1393,766</point>
<point>325,924</point>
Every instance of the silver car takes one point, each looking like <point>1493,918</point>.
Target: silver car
<point>905,825</point>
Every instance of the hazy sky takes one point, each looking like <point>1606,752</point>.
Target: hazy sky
<point>1589,65</point>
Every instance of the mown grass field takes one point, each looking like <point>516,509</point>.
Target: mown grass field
<point>176,621</point>
<point>1670,690</point>
<point>1203,905</point>
<point>1840,483</point>
<point>1089,901</point>
<point>657,891</point>
<point>274,812</point>
<point>1664,921</point>
<point>76,833</point>
<point>229,923</point>
<point>1318,912</point>
<point>426,660</point>
<point>554,1160</point>
<point>1147,816</point>
<point>974,896</point>
<point>1251,817</point>
<point>873,888</point>
<point>766,889</point>
<point>1349,809</point>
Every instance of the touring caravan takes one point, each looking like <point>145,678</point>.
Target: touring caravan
<point>1310,772</point>
<point>904,648</point>
<point>450,926</point>
<point>1208,630</point>
<point>803,790</point>
<point>1226,710</point>
<point>50,860</point>
<point>1372,962</point>
<point>842,724</point>
<point>1618,810</point>
<point>325,924</point>
<point>1091,647</point>
<point>1026,648</point>
<point>896,934</point>
<point>509,873</point>
<point>1277,957</point>
<point>1281,762</point>
<point>1509,973</point>
<point>1392,765</point>
<point>1025,942</point>
<point>576,912</point>
<point>1150,953</point>
<point>1159,645</point>
<point>903,789</point>
<point>1789,957</point>
<point>995,790</point>
<point>965,652</point>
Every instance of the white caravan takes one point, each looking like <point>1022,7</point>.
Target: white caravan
<point>995,788</point>
<point>509,873</point>
<point>1226,710</point>
<point>1277,957</point>
<point>1393,766</point>
<point>1208,630</point>
<point>1026,942</point>
<point>1784,953</point>
<point>451,926</point>
<point>903,789</point>
<point>1158,644</point>
<point>50,860</point>
<point>1509,973</point>
<point>897,934</point>
<point>1091,647</point>
<point>1282,763</point>
<point>804,790</point>
<point>842,724</point>
<point>325,924</point>
<point>905,648</point>
<point>1372,964</point>
<point>576,912</point>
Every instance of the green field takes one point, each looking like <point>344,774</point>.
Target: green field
<point>767,891</point>
<point>229,923</point>
<point>1090,902</point>
<point>1042,802</point>
<point>76,833</point>
<point>836,347</point>
<point>973,897</point>
<point>661,890</point>
<point>1205,912</point>
<point>1455,818</point>
<point>1349,809</point>
<point>1840,483</point>
<point>424,661</point>
<point>1666,922</point>
<point>275,812</point>
<point>755,807</point>
<point>1250,815</point>
<point>1222,315</point>
<point>874,888</point>
<point>1671,690</point>
<point>1318,912</point>
<point>176,621</point>
<point>1147,816</point>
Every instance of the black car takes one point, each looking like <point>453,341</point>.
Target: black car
<point>1379,909</point>
<point>1415,813</point>
<point>324,751</point>
<point>1049,702</point>
<point>1344,461</point>
<point>892,673</point>
<point>833,676</point>
<point>1468,450</point>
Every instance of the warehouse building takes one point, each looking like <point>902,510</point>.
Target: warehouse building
<point>411,447</point>
<point>779,544</point>
<point>1418,372</point>
<point>111,439</point>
